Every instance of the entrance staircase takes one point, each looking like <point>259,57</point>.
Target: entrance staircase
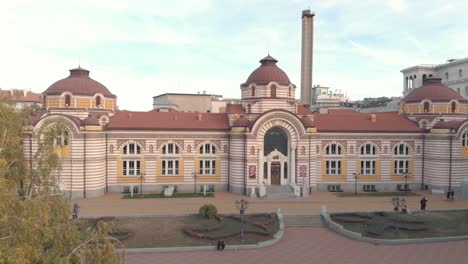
<point>279,192</point>
<point>303,220</point>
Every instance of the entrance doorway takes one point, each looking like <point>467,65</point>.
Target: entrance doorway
<point>275,173</point>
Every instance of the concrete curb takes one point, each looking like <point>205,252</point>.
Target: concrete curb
<point>357,236</point>
<point>276,238</point>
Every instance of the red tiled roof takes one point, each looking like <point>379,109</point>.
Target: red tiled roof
<point>307,122</point>
<point>433,90</point>
<point>354,122</point>
<point>91,120</point>
<point>303,110</point>
<point>19,96</point>
<point>234,109</point>
<point>127,120</point>
<point>268,72</point>
<point>241,122</point>
<point>78,83</point>
<point>455,124</point>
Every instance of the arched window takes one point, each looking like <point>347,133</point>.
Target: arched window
<point>289,92</point>
<point>465,140</point>
<point>424,76</point>
<point>131,163</point>
<point>275,138</point>
<point>426,107</point>
<point>333,159</point>
<point>446,75</point>
<point>368,149</point>
<point>430,75</point>
<point>333,149</point>
<point>207,162</point>
<point>170,148</point>
<point>44,104</point>
<point>253,91</point>
<point>67,100</point>
<point>460,73</point>
<point>273,91</point>
<point>401,156</point>
<point>368,159</point>
<point>170,163</point>
<point>453,106</point>
<point>131,149</point>
<point>98,101</point>
<point>62,139</point>
<point>249,108</point>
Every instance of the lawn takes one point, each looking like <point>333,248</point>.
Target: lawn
<point>394,225</point>
<point>374,194</point>
<point>144,232</point>
<point>159,195</point>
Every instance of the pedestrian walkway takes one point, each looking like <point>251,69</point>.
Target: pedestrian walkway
<point>114,205</point>
<point>318,245</point>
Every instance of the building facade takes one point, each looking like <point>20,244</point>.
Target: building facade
<point>454,74</point>
<point>268,139</point>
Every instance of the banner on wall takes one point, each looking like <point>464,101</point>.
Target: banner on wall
<point>252,171</point>
<point>302,170</point>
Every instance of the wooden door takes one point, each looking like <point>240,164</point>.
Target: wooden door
<point>275,174</point>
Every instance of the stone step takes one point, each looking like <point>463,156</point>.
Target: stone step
<point>303,220</point>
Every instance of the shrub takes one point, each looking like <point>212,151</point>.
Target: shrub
<point>208,211</point>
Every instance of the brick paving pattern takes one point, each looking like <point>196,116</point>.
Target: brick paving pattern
<point>319,245</point>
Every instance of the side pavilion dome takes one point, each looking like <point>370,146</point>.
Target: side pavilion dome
<point>78,83</point>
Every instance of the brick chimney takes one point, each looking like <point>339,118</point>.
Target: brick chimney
<point>307,56</point>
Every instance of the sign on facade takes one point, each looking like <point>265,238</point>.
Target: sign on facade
<point>302,170</point>
<point>252,171</point>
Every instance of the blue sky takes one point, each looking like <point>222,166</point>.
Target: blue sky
<point>139,49</point>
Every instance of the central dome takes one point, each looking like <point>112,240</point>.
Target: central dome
<point>78,83</point>
<point>268,72</point>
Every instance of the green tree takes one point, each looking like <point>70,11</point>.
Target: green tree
<point>35,224</point>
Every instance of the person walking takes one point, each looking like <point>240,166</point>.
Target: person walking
<point>452,194</point>
<point>448,195</point>
<point>423,203</point>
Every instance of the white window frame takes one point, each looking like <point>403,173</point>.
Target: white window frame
<point>401,149</point>
<point>333,149</point>
<point>401,166</point>
<point>333,167</point>
<point>465,140</point>
<point>207,149</point>
<point>207,167</point>
<point>368,149</point>
<point>170,167</point>
<point>131,149</point>
<point>170,149</point>
<point>131,167</point>
<point>368,187</point>
<point>368,167</point>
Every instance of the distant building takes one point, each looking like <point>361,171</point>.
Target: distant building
<point>380,104</point>
<point>454,74</point>
<point>325,97</point>
<point>20,98</point>
<point>184,102</point>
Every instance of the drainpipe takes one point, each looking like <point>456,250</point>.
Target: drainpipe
<point>107,168</point>
<point>84,166</point>
<point>229,163</point>
<point>245,164</point>
<point>423,159</point>
<point>71,168</point>
<point>450,162</point>
<point>308,166</point>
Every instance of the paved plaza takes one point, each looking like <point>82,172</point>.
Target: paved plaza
<point>113,205</point>
<point>319,245</point>
<point>299,244</point>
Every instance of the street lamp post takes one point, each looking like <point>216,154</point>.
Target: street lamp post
<point>242,206</point>
<point>194,174</point>
<point>355,182</point>
<point>141,183</point>
<point>406,183</point>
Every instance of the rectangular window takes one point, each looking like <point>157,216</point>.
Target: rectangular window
<point>401,167</point>
<point>131,168</point>
<point>170,167</point>
<point>207,167</point>
<point>368,188</point>
<point>368,167</point>
<point>334,188</point>
<point>333,167</point>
